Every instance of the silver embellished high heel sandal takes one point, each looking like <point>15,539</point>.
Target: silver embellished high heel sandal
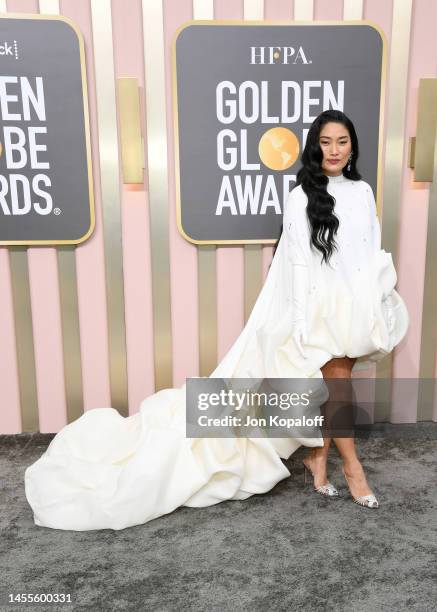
<point>328,489</point>
<point>368,501</point>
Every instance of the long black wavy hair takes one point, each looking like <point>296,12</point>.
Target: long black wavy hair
<point>324,223</point>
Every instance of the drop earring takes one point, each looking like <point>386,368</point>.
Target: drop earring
<point>349,164</point>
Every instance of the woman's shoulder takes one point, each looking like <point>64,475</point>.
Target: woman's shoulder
<point>297,194</point>
<point>296,203</point>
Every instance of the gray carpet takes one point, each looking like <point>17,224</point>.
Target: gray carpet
<point>288,549</point>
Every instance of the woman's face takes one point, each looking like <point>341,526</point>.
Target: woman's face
<point>336,145</point>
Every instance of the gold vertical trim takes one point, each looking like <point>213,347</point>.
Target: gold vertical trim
<point>393,172</point>
<point>70,328</point>
<point>110,183</point>
<point>253,253</point>
<point>70,331</point>
<point>131,140</point>
<point>428,342</point>
<point>153,33</point>
<point>426,127</point>
<point>206,256</point>
<point>24,338</point>
<point>411,151</point>
<point>207,300</point>
<point>207,281</point>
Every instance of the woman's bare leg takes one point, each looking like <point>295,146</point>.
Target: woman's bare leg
<point>317,458</point>
<point>341,368</point>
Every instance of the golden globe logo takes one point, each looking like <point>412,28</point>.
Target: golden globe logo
<point>246,97</point>
<point>278,55</point>
<point>278,148</point>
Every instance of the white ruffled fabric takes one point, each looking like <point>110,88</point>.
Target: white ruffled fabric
<point>105,471</point>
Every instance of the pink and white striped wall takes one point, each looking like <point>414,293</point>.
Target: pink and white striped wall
<point>44,287</point>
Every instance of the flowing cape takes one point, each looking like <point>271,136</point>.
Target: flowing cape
<point>105,471</point>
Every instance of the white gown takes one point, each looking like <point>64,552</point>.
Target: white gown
<point>108,471</point>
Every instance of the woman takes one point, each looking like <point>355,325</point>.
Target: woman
<point>106,471</point>
<point>333,200</point>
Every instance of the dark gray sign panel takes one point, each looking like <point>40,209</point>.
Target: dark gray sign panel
<point>46,187</point>
<point>245,97</point>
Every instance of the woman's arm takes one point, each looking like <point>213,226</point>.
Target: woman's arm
<point>296,227</point>
<point>375,228</point>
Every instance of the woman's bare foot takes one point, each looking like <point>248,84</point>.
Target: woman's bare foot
<point>316,461</point>
<point>356,479</point>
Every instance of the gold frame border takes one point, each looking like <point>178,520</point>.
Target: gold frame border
<point>71,23</point>
<point>220,22</point>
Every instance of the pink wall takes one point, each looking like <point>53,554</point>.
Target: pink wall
<point>128,61</point>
